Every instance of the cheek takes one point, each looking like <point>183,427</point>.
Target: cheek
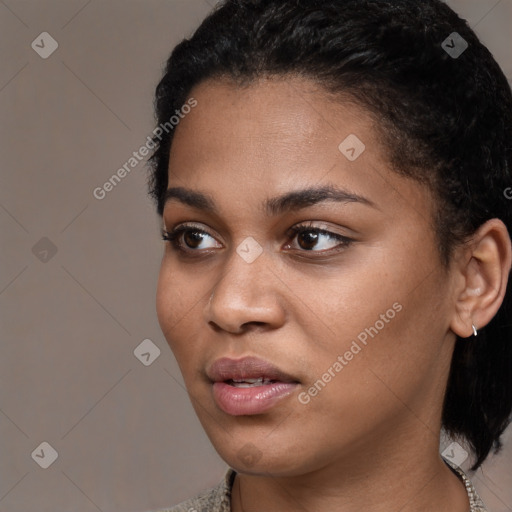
<point>180,301</point>
<point>165,301</point>
<point>347,305</point>
<point>358,386</point>
<point>385,324</point>
<point>175,304</point>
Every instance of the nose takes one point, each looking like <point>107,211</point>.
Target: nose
<point>247,296</point>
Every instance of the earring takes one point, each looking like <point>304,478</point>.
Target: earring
<point>475,332</point>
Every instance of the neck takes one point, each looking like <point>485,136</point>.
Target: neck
<point>411,476</point>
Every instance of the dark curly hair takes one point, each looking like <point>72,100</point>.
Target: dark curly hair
<point>446,121</point>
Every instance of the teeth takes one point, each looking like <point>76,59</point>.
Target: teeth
<point>248,383</point>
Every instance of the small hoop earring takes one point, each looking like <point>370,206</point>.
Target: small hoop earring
<point>475,332</point>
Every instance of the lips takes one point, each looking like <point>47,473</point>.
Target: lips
<point>249,385</point>
<point>251,368</point>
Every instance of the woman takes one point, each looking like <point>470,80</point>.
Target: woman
<point>334,286</point>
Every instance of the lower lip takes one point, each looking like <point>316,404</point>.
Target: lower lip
<point>247,401</point>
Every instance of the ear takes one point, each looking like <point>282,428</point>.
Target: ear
<point>483,270</point>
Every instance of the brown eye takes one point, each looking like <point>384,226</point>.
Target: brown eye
<point>189,239</point>
<point>318,240</point>
<point>307,240</point>
<point>193,239</point>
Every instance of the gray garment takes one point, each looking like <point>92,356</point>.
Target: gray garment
<point>218,499</point>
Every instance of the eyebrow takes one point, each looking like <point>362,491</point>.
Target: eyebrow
<point>285,203</point>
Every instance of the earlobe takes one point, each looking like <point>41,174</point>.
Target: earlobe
<point>484,275</point>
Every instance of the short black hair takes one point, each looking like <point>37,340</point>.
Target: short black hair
<point>445,119</point>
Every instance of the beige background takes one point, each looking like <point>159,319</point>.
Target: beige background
<point>126,436</point>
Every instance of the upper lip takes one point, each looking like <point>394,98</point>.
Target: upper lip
<point>224,369</point>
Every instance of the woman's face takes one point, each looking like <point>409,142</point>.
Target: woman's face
<point>351,324</point>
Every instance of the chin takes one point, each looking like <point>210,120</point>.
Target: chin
<point>258,455</point>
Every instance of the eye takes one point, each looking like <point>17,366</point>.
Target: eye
<point>188,238</point>
<point>316,239</point>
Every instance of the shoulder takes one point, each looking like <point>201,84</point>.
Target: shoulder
<point>217,499</point>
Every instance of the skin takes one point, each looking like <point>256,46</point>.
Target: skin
<point>370,439</point>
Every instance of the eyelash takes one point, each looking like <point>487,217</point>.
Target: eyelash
<point>174,236</point>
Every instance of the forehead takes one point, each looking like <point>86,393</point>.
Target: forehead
<point>267,138</point>
<point>276,111</point>
<point>280,125</point>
